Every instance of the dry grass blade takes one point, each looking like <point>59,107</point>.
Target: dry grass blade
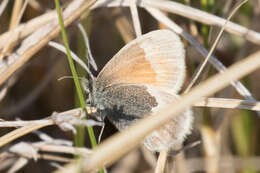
<point>16,12</point>
<point>71,116</point>
<point>194,79</point>
<point>54,158</point>
<point>238,163</point>
<point>18,155</point>
<point>161,162</point>
<point>135,18</point>
<point>31,150</point>
<point>3,92</point>
<point>25,29</point>
<point>36,5</point>
<point>3,6</point>
<point>189,12</point>
<point>20,123</point>
<point>20,163</point>
<point>21,132</point>
<point>123,25</point>
<point>62,149</point>
<point>205,18</point>
<point>119,144</point>
<point>40,38</point>
<point>229,103</point>
<point>19,17</point>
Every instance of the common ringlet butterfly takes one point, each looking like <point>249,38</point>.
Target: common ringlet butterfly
<point>142,77</point>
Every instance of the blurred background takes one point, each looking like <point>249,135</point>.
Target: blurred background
<point>36,93</point>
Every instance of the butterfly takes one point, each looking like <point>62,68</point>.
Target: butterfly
<point>144,76</point>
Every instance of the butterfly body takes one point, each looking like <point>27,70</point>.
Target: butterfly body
<point>142,77</point>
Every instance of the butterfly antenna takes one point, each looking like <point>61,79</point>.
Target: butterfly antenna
<point>73,55</point>
<point>90,59</point>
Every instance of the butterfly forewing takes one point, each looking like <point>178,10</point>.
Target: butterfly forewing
<point>156,59</point>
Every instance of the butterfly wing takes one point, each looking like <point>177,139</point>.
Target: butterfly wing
<point>125,104</point>
<point>156,58</point>
<point>144,76</point>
